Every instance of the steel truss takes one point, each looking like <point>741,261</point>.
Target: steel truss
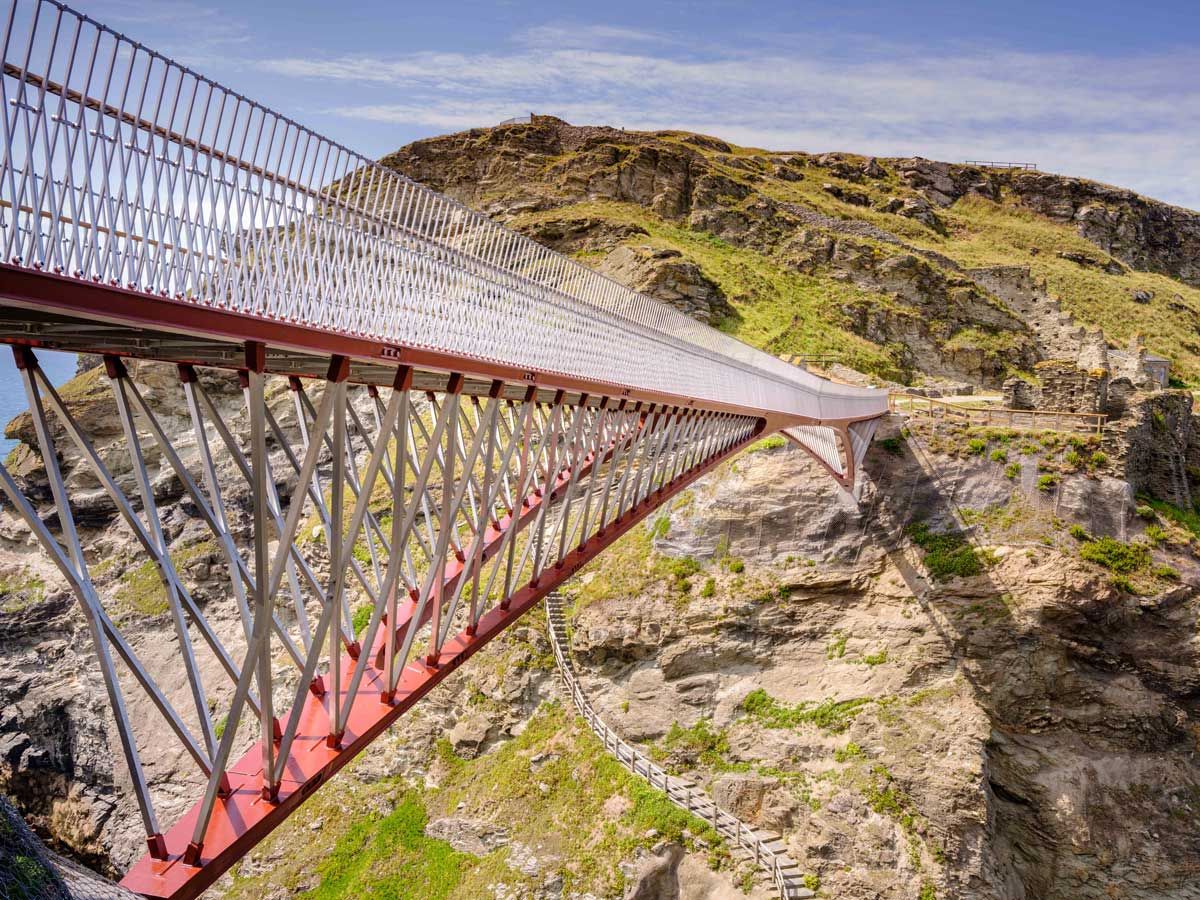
<point>455,515</point>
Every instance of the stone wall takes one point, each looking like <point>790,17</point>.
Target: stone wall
<point>1068,388</point>
<point>1159,442</point>
<point>1056,333</point>
<point>1017,393</point>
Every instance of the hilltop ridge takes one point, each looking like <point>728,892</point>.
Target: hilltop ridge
<point>907,268</point>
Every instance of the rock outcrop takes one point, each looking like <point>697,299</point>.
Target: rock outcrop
<point>664,275</point>
<point>1001,732</point>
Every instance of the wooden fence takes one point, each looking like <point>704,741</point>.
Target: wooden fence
<point>765,848</point>
<point>1023,419</point>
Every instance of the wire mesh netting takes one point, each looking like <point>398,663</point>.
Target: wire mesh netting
<point>28,871</point>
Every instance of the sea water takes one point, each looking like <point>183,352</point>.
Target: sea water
<point>59,368</point>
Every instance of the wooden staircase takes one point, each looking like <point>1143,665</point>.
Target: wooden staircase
<point>765,848</point>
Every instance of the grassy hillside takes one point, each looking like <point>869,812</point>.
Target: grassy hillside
<point>804,247</point>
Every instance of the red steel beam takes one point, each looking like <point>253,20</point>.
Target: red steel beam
<point>243,818</point>
<point>493,537</point>
<point>53,292</point>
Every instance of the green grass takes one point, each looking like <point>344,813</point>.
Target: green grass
<point>775,307</point>
<point>849,752</point>
<point>831,715</point>
<point>986,233</point>
<point>20,591</point>
<point>947,554</point>
<point>565,797</point>
<point>361,618</point>
<point>1047,482</point>
<point>700,742</point>
<point>837,647</point>
<point>390,858</point>
<point>876,659</point>
<point>1188,519</point>
<point>785,311</point>
<point>1122,557</point>
<point>559,807</point>
<point>140,589</point>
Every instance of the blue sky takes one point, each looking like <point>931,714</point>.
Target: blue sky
<point>1106,90</point>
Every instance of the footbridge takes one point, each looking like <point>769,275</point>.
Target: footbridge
<point>468,417</point>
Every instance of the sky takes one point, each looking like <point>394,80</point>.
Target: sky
<point>1104,90</point>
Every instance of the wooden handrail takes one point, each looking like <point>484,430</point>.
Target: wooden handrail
<point>775,862</point>
<point>902,401</point>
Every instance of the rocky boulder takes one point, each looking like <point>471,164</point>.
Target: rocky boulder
<point>665,275</point>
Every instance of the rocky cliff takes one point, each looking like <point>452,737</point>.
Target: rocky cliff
<point>870,258</point>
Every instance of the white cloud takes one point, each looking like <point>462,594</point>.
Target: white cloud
<point>1132,121</point>
<point>193,33</point>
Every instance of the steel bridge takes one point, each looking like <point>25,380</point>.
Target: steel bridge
<point>517,413</point>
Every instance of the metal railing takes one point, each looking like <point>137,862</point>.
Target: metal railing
<point>123,167</point>
<point>998,416</point>
<point>996,164</point>
<point>765,849</point>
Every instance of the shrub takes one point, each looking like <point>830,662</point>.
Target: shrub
<point>892,445</point>
<point>736,566</point>
<point>1146,511</point>
<point>710,587</point>
<point>1156,534</point>
<point>947,554</point>
<point>849,752</point>
<point>774,442</point>
<point>1117,556</point>
<point>1012,471</point>
<point>709,745</point>
<point>999,455</point>
<point>1073,459</point>
<point>831,715</point>
<point>681,570</point>
<point>1099,458</point>
<point>1047,482</point>
<point>1185,518</point>
<point>876,659</point>
<point>362,618</point>
<point>1078,532</point>
<point>976,446</point>
<point>837,647</point>
<point>1123,584</point>
<point>1166,573</point>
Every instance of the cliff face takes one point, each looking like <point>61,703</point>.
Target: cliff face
<point>1027,731</point>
